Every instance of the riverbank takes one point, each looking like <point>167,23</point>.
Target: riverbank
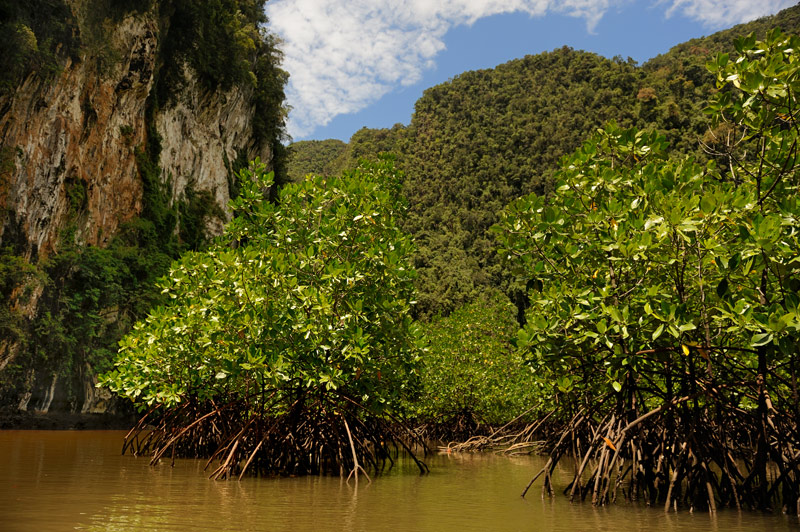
<point>18,420</point>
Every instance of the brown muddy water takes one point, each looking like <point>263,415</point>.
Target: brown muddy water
<point>68,480</point>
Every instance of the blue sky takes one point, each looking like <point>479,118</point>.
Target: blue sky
<point>356,63</point>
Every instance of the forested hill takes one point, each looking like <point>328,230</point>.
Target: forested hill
<point>314,157</point>
<point>488,136</point>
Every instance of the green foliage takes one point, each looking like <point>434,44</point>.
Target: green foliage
<point>233,168</point>
<point>367,144</point>
<point>315,299</point>
<point>313,157</point>
<point>16,276</point>
<point>269,120</point>
<point>641,266</point>
<point>156,204</point>
<point>33,34</point>
<point>761,109</point>
<point>597,252</point>
<point>217,38</point>
<point>486,137</point>
<point>472,369</point>
<point>84,284</point>
<point>76,196</point>
<point>89,298</point>
<point>682,84</point>
<point>195,209</point>
<point>665,297</point>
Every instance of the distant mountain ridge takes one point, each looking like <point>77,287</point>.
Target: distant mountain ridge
<point>487,136</point>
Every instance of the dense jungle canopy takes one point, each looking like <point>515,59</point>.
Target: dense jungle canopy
<point>486,137</point>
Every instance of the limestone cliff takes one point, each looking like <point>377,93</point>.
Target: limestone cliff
<point>72,149</point>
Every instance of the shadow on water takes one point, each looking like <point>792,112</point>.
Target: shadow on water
<point>55,481</point>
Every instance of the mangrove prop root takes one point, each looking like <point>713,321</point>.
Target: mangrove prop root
<point>356,465</point>
<point>510,439</point>
<point>695,451</point>
<point>314,435</point>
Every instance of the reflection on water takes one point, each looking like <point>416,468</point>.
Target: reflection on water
<point>55,481</point>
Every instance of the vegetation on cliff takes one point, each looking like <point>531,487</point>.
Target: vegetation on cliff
<point>236,50</point>
<point>34,36</point>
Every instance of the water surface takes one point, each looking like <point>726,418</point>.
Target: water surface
<point>68,480</point>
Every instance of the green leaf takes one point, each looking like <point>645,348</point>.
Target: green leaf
<point>723,288</point>
<point>761,339</point>
<point>658,331</point>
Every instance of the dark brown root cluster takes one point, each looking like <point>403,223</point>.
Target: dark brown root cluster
<point>313,436</point>
<point>513,438</point>
<point>696,452</point>
<point>451,426</point>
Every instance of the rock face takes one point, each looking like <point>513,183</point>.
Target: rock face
<point>78,130</point>
<point>199,133</point>
<point>70,142</point>
<point>82,129</point>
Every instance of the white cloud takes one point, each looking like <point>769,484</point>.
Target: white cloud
<point>343,55</point>
<point>720,13</point>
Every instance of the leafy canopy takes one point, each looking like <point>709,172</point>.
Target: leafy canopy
<point>472,369</point>
<point>640,264</point>
<point>309,295</point>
